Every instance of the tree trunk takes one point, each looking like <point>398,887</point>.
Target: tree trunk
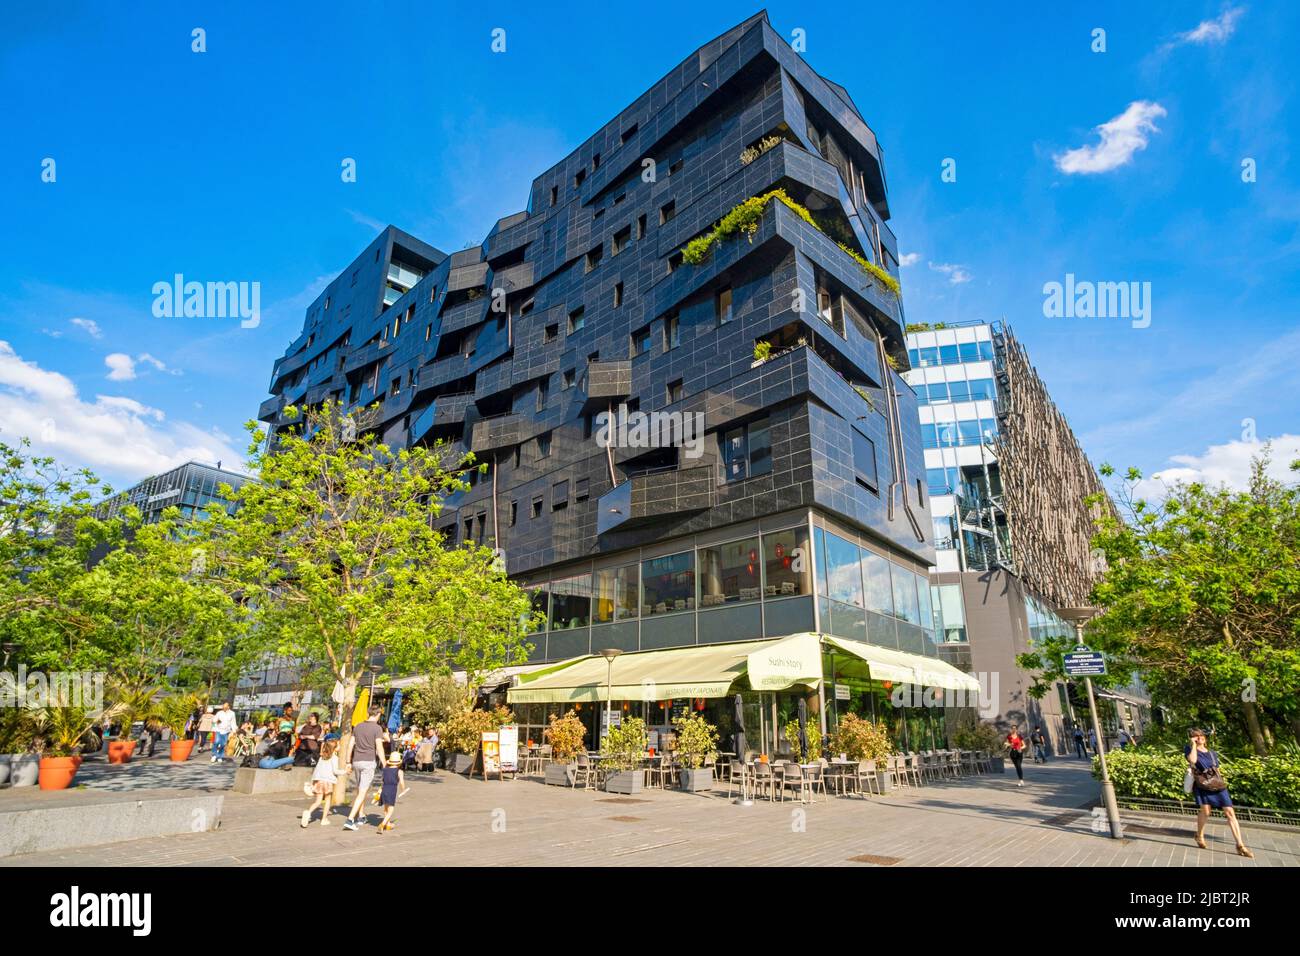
<point>345,735</point>
<point>1251,710</point>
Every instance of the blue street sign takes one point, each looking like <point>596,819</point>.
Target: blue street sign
<point>1085,663</point>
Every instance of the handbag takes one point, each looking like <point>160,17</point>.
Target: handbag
<point>1210,781</point>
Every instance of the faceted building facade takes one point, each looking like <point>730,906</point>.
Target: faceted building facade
<point>765,474</point>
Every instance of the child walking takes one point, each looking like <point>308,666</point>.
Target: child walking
<point>323,779</point>
<point>393,779</point>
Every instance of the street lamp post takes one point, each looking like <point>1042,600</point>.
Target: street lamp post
<point>609,654</point>
<point>1080,616</point>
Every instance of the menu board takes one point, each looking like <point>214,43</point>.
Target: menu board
<point>491,753</point>
<point>509,748</point>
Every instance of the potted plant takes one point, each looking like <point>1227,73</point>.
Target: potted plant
<point>979,736</point>
<point>565,735</point>
<point>63,732</point>
<point>625,746</point>
<point>174,713</point>
<point>461,736</point>
<point>19,765</point>
<point>697,742</point>
<point>814,733</point>
<point>861,739</point>
<point>762,352</point>
<point>134,704</point>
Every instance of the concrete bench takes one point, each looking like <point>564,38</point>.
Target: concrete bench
<point>256,780</point>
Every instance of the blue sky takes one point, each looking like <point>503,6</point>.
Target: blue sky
<point>224,165</point>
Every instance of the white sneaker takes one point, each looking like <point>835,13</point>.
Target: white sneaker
<point>306,818</point>
<point>1020,783</point>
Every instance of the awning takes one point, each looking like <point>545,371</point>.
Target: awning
<point>707,670</point>
<point>904,668</point>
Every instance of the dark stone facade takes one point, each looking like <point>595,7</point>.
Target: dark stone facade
<point>581,304</point>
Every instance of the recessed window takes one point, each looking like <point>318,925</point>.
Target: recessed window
<point>594,257</point>
<point>560,495</point>
<point>514,513</point>
<point>569,378</point>
<point>640,226</point>
<point>628,134</point>
<point>618,294</point>
<point>672,332</point>
<point>864,462</point>
<point>619,198</point>
<point>667,211</point>
<point>747,451</point>
<point>543,395</point>
<point>675,391</point>
<point>527,307</point>
<point>544,445</point>
<point>428,331</point>
<point>722,306</point>
<point>577,321</point>
<point>641,341</point>
<point>595,162</point>
<point>555,195</point>
<point>620,240</point>
<point>675,166</point>
<point>395,386</point>
<point>537,506</point>
<point>551,332</point>
<point>580,489</point>
<point>675,261</point>
<point>578,177</point>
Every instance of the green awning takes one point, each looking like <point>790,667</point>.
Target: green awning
<point>707,670</point>
<point>904,668</point>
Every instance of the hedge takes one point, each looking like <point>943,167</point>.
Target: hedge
<point>1271,783</point>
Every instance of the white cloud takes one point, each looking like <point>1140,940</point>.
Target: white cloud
<point>121,367</point>
<point>956,274</point>
<point>1226,464</point>
<point>90,326</point>
<point>1121,137</point>
<point>1211,31</point>
<point>909,259</point>
<point>117,436</point>
<point>157,363</point>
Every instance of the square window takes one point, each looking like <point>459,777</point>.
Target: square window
<point>537,506</point>
<point>551,333</point>
<point>569,378</point>
<point>641,342</point>
<point>628,134</point>
<point>578,177</point>
<point>544,445</point>
<point>675,391</point>
<point>594,257</point>
<point>620,240</point>
<point>580,489</point>
<point>672,332</point>
<point>576,320</point>
<point>667,211</point>
<point>560,495</point>
<point>675,166</point>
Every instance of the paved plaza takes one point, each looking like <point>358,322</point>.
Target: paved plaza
<point>446,820</point>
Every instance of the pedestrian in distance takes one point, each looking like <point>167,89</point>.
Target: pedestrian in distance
<point>1210,790</point>
<point>204,735</point>
<point>394,786</point>
<point>223,725</point>
<point>1039,740</point>
<point>365,753</point>
<point>1092,741</point>
<point>1016,750</point>
<point>323,779</point>
<point>1080,749</point>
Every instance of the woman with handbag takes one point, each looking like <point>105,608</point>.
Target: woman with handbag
<point>1210,790</point>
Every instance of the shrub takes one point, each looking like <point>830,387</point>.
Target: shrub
<point>1269,783</point>
<point>432,702</point>
<point>624,745</point>
<point>762,351</point>
<point>861,739</point>
<point>565,735</point>
<point>462,731</point>
<point>814,732</point>
<point>697,739</point>
<point>974,735</point>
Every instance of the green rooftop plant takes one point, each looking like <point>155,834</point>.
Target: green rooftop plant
<point>762,351</point>
<point>751,153</point>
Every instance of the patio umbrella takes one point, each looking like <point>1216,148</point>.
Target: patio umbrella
<point>362,710</point>
<point>803,729</point>
<point>739,735</point>
<point>395,712</point>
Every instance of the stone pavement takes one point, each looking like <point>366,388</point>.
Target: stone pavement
<point>446,820</point>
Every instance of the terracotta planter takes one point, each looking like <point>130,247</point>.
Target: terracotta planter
<point>119,751</point>
<point>181,750</point>
<point>57,772</point>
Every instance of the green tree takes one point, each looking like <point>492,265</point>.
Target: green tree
<point>335,553</point>
<point>1202,594</point>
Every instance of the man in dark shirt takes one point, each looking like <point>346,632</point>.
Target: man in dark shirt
<point>365,753</point>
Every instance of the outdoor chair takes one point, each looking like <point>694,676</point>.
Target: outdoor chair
<point>586,774</point>
<point>866,779</point>
<point>916,769</point>
<point>814,780</point>
<point>765,778</point>
<point>736,773</point>
<point>792,775</point>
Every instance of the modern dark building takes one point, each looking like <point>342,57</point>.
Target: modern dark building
<point>801,503</point>
<point>191,487</point>
<point>1007,482</point>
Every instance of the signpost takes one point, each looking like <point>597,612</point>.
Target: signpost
<point>1086,663</point>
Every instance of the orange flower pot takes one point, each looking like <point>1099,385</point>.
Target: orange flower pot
<point>119,751</point>
<point>181,750</point>
<point>57,772</point>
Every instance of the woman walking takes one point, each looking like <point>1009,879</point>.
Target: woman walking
<point>1210,790</point>
<point>1016,749</point>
